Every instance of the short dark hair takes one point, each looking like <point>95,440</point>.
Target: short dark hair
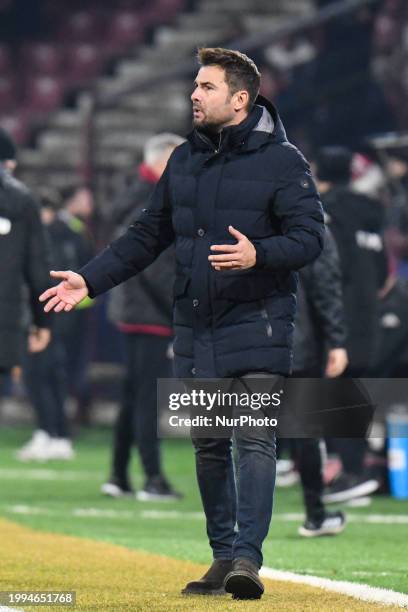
<point>48,198</point>
<point>240,71</point>
<point>69,191</point>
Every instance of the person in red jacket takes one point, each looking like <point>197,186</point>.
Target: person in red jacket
<point>141,309</point>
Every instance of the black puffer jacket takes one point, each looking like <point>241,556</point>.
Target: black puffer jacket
<point>227,323</point>
<point>24,259</point>
<point>147,298</point>
<point>320,322</point>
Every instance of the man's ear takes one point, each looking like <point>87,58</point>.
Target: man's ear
<point>241,99</point>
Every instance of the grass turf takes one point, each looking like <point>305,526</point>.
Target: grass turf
<point>64,498</point>
<point>112,578</point>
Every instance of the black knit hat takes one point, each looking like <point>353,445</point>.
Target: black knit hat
<point>334,164</point>
<point>8,149</point>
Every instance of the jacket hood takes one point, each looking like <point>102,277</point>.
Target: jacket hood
<point>269,125</point>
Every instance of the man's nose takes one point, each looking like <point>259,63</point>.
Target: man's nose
<point>195,96</point>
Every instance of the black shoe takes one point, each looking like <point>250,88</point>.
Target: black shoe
<point>349,486</point>
<point>212,583</point>
<point>117,487</point>
<point>332,524</point>
<point>243,580</point>
<point>158,489</point>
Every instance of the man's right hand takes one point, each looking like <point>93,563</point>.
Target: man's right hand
<point>65,296</point>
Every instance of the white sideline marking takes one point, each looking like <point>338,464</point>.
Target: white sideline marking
<point>7,609</point>
<point>20,509</point>
<point>363,592</point>
<point>377,519</point>
<point>171,514</point>
<point>46,474</point>
<point>98,513</point>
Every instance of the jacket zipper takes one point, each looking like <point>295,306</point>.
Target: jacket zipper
<point>265,317</point>
<point>219,144</point>
<point>208,141</point>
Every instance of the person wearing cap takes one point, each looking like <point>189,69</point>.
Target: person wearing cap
<point>24,262</point>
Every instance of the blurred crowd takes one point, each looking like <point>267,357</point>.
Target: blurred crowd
<point>339,82</point>
<point>357,66</point>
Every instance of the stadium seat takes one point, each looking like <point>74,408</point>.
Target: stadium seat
<point>82,26</point>
<point>7,93</point>
<point>16,125</point>
<point>43,94</point>
<point>84,62</point>
<point>41,58</point>
<point>125,30</point>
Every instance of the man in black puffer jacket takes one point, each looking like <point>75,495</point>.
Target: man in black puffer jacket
<point>241,205</point>
<point>24,261</point>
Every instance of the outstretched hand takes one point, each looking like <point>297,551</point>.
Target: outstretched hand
<point>238,256</point>
<point>67,294</point>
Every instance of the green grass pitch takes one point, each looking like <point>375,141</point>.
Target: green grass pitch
<point>64,497</point>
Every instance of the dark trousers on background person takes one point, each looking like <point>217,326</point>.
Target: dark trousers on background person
<point>146,360</point>
<point>351,450</point>
<point>3,377</point>
<point>249,505</point>
<point>309,463</point>
<point>46,383</point>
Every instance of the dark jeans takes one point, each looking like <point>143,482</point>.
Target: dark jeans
<point>145,361</point>
<point>46,383</point>
<point>249,505</point>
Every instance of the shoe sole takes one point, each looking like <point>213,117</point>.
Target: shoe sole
<point>217,592</point>
<point>330,531</point>
<point>143,496</point>
<point>366,488</point>
<point>360,502</point>
<point>111,491</point>
<point>242,586</point>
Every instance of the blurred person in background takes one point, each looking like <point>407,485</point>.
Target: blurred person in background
<point>45,373</point>
<point>141,309</point>
<point>397,231</point>
<point>24,263</point>
<point>76,212</point>
<point>319,350</point>
<point>357,223</point>
<point>236,170</point>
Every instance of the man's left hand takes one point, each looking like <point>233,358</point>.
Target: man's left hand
<point>38,339</point>
<point>239,256</point>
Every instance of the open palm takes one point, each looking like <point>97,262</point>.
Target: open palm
<point>67,294</point>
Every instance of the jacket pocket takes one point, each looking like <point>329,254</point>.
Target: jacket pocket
<point>180,286</point>
<point>245,285</point>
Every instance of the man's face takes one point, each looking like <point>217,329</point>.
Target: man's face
<point>213,106</point>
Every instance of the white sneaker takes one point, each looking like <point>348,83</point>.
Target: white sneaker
<point>60,448</point>
<point>36,448</point>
